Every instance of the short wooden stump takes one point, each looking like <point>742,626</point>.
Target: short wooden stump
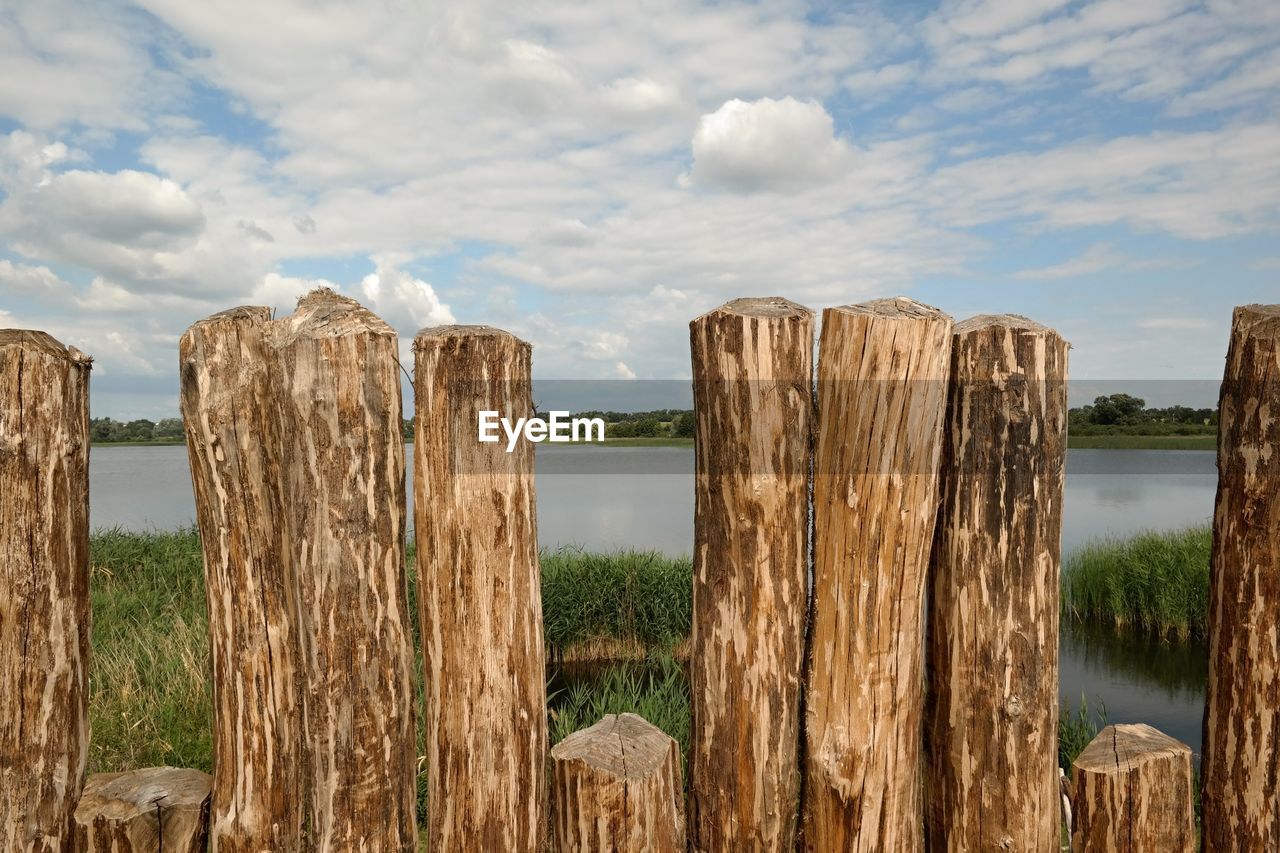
<point>164,809</point>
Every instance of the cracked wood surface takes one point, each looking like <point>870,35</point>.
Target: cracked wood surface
<point>154,810</point>
<point>616,787</point>
<point>1241,761</point>
<point>1132,793</point>
<point>258,796</point>
<point>882,386</point>
<point>297,456</point>
<point>753,398</point>
<point>479,595</point>
<point>991,713</point>
<point>44,589</point>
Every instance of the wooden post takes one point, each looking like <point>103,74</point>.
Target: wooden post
<point>156,810</point>
<point>44,588</point>
<point>882,390</point>
<point>342,466</point>
<point>617,787</point>
<point>991,714</point>
<point>1132,794</point>
<point>1241,787</point>
<point>479,595</point>
<point>753,398</point>
<point>229,416</point>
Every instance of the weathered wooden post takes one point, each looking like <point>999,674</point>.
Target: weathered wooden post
<point>753,398</point>
<point>230,417</point>
<point>1241,775</point>
<point>337,384</point>
<point>882,391</point>
<point>44,588</point>
<point>1132,794</point>
<point>617,787</point>
<point>156,810</point>
<point>479,595</point>
<point>991,714</point>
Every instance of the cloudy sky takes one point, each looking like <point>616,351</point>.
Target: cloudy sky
<point>592,176</point>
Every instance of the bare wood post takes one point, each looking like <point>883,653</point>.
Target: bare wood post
<point>753,397</point>
<point>229,416</point>
<point>991,715</point>
<point>617,787</point>
<point>882,390</point>
<point>156,810</point>
<point>1241,787</point>
<point>1132,794</point>
<point>342,462</point>
<point>479,594</point>
<point>44,588</point>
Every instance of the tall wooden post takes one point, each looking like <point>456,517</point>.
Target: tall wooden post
<point>882,390</point>
<point>1132,794</point>
<point>44,589</point>
<point>342,464</point>
<point>1240,768</point>
<point>229,414</point>
<point>479,595</point>
<point>991,714</point>
<point>753,398</point>
<point>617,787</point>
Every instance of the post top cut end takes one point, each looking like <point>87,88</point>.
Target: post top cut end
<point>42,342</point>
<point>1006,321</point>
<point>120,796</point>
<point>251,313</point>
<point>322,313</point>
<point>1258,319</point>
<point>894,307</point>
<point>461,331</point>
<point>1123,746</point>
<point>625,745</point>
<point>760,306</point>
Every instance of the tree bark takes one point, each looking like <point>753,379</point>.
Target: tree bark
<point>882,387</point>
<point>1133,794</point>
<point>1241,762</point>
<point>753,398</point>
<point>44,588</point>
<point>479,595</point>
<point>229,415</point>
<point>617,787</point>
<point>156,810</point>
<point>342,464</point>
<point>991,715</point>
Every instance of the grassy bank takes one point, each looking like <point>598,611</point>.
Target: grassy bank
<point>1156,582</point>
<point>1142,442</point>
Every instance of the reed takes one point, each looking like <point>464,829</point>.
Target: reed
<point>1157,582</point>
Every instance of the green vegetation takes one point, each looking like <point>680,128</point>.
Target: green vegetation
<point>1157,582</point>
<point>141,431</point>
<point>1076,729</point>
<point>1121,441</point>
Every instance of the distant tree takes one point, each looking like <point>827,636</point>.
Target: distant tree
<point>169,428</point>
<point>1117,409</point>
<point>682,425</point>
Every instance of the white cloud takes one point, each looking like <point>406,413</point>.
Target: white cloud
<point>767,144</point>
<point>28,280</point>
<point>1094,259</point>
<point>407,303</point>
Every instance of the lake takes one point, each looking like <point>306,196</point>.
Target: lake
<point>642,497</point>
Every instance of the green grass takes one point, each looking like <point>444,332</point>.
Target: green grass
<point>646,441</point>
<point>1157,582</point>
<point>1076,729</point>
<point>1143,442</point>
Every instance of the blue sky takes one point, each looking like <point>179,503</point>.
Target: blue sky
<point>593,176</point>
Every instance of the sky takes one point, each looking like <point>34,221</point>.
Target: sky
<point>591,176</point>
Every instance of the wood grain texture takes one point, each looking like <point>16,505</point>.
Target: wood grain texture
<point>154,810</point>
<point>337,383</point>
<point>753,398</point>
<point>882,388</point>
<point>479,594</point>
<point>230,418</point>
<point>1132,793</point>
<point>616,787</point>
<point>991,713</point>
<point>44,589</point>
<point>1241,762</point>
